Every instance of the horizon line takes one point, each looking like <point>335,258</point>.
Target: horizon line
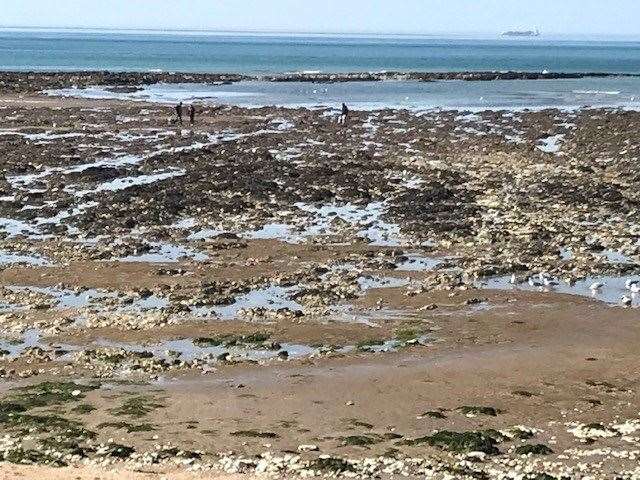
<point>276,31</point>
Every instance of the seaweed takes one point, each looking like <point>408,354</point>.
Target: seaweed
<point>479,410</point>
<point>434,414</point>
<point>458,442</point>
<point>254,434</point>
<point>331,464</point>
<point>130,428</point>
<point>232,340</point>
<point>538,449</point>
<point>32,457</point>
<point>83,409</point>
<point>115,450</point>
<point>50,393</point>
<point>365,345</point>
<point>137,407</point>
<point>408,334</point>
<point>360,440</point>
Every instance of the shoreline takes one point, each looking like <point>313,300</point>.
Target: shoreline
<point>33,81</point>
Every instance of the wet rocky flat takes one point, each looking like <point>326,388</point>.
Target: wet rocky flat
<point>437,294</point>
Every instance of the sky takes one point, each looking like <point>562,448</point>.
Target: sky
<point>588,17</point>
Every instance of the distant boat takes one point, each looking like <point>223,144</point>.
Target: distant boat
<point>522,33</point>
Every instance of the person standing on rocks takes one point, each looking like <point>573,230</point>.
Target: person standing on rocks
<point>192,114</point>
<point>344,115</point>
<point>179,112</point>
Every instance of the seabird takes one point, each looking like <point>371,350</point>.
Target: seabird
<point>597,286</point>
<point>513,280</point>
<point>626,301</point>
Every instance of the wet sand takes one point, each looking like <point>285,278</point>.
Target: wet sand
<point>268,292</point>
<point>11,472</point>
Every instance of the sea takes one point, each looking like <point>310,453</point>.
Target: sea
<point>256,54</point>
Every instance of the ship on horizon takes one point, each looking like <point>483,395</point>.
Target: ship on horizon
<point>521,33</point>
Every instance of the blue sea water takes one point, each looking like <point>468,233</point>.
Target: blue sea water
<point>255,54</point>
<point>616,92</point>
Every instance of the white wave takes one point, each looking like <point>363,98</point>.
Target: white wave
<point>596,92</point>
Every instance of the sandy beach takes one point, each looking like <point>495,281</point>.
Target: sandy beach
<point>437,294</point>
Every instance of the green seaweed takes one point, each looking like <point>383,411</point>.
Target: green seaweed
<point>130,428</point>
<point>32,457</point>
<point>521,434</point>
<point>50,393</point>
<point>115,450</point>
<point>479,410</point>
<point>495,434</point>
<point>26,424</point>
<point>137,407</point>
<point>524,393</point>
<point>254,434</point>
<point>355,423</point>
<point>538,449</point>
<point>83,409</point>
<point>408,334</point>
<point>331,464</point>
<point>360,440</point>
<point>365,345</point>
<point>68,446</point>
<point>232,340</point>
<point>7,408</point>
<point>434,414</point>
<point>458,442</point>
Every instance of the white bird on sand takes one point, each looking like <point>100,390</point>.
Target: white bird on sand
<point>635,288</point>
<point>626,301</point>
<point>630,283</point>
<point>550,282</point>
<point>513,280</point>
<point>597,286</point>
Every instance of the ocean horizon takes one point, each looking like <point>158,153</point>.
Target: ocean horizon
<point>24,49</point>
<point>469,35</point>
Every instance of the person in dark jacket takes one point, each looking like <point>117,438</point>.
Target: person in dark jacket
<point>192,114</point>
<point>179,112</point>
<point>344,115</point>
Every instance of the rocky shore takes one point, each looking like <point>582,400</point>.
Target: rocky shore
<point>32,82</point>
<point>436,295</point>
